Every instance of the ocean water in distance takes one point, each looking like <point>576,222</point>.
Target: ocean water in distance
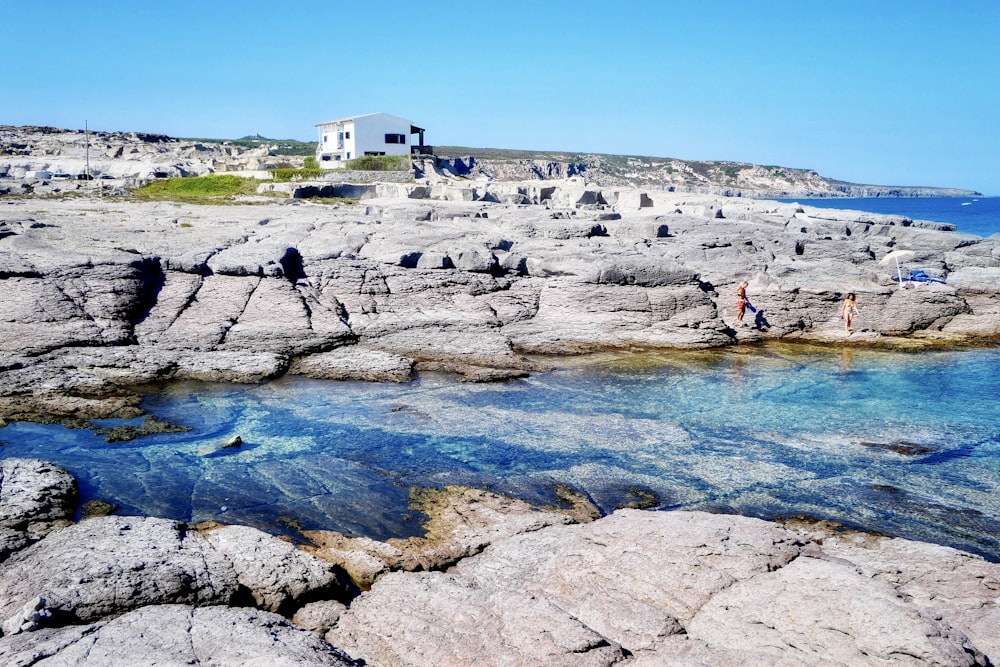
<point>903,443</point>
<point>972,215</point>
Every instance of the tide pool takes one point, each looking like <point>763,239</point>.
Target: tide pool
<point>902,443</point>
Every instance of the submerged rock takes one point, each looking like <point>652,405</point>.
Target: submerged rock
<point>462,522</point>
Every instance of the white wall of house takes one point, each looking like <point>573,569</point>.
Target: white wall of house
<point>348,138</point>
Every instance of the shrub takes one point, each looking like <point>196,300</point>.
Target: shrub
<point>287,175</point>
<point>380,163</point>
<point>310,162</point>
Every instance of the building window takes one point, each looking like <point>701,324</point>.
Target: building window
<point>326,158</point>
<point>348,156</point>
<point>335,157</point>
<point>395,138</point>
<point>347,135</point>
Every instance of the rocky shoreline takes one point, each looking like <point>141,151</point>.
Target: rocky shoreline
<point>493,582</point>
<point>100,295</point>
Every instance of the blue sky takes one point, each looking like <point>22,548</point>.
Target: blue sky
<point>888,93</point>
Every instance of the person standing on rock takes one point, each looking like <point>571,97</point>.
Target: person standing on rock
<point>847,312</point>
<point>741,300</point>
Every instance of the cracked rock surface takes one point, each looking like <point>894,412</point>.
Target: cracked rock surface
<point>497,582</point>
<point>97,296</point>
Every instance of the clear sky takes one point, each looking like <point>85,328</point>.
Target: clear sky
<point>870,91</point>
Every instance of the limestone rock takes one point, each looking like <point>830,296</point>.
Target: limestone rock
<point>105,566</point>
<point>462,522</point>
<point>451,622</point>
<point>95,299</point>
<point>35,495</point>
<point>821,612</point>
<point>319,616</point>
<point>175,635</point>
<point>278,575</point>
<point>937,580</point>
<point>354,362</point>
<point>11,541</point>
<point>680,588</point>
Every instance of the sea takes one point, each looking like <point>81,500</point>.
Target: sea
<point>900,443</point>
<point>971,215</point>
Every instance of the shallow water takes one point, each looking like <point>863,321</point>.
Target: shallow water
<point>903,443</point>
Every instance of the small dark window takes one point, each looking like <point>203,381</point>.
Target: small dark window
<point>326,158</point>
<point>395,138</point>
<point>347,135</point>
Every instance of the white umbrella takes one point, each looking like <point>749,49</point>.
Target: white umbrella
<point>898,255</point>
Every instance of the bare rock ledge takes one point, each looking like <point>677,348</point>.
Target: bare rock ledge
<point>496,582</point>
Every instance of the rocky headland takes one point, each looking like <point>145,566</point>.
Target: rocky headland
<point>489,279</point>
<point>27,151</point>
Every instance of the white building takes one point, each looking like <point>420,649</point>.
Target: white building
<point>369,134</point>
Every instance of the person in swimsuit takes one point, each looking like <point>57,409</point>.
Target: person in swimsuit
<point>741,300</point>
<point>847,312</point>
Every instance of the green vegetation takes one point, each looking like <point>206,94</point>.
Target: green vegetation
<point>332,201</point>
<point>284,146</point>
<point>289,175</point>
<point>216,188</point>
<point>380,163</point>
<point>310,162</point>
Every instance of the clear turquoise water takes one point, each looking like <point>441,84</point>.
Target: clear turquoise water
<point>768,432</point>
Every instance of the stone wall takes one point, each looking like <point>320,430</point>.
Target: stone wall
<point>355,176</point>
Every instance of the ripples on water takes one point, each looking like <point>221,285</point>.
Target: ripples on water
<point>907,444</point>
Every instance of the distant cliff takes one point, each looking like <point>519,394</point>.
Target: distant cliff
<point>26,149</point>
<point>718,178</point>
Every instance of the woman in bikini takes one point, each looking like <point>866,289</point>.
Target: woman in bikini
<point>847,312</point>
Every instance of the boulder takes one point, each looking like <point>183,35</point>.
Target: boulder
<point>279,576</point>
<point>106,566</point>
<point>35,496</point>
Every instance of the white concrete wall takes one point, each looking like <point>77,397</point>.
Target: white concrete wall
<point>367,134</point>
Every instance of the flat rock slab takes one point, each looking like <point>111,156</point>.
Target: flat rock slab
<point>678,588</point>
<point>175,635</point>
<point>355,362</point>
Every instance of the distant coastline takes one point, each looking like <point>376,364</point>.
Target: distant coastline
<point>971,215</point>
<point>31,150</point>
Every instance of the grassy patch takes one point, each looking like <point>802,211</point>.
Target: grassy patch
<point>288,175</point>
<point>380,163</point>
<point>215,188</point>
<point>332,201</point>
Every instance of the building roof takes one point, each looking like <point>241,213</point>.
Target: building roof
<point>364,115</point>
